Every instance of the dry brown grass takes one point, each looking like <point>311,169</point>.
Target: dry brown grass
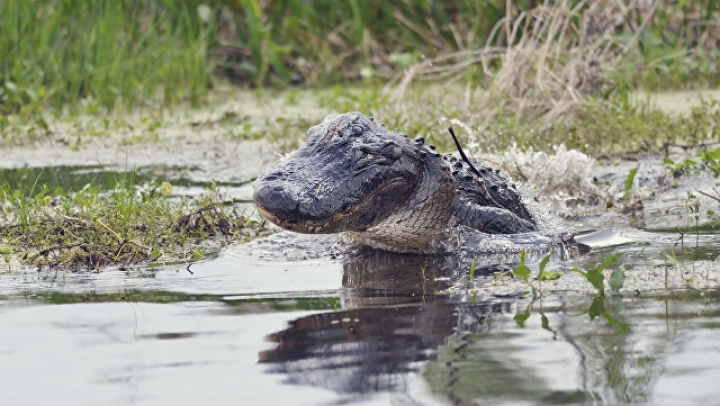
<point>555,57</point>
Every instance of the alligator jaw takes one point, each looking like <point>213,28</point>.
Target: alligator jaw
<point>423,223</point>
<point>306,227</point>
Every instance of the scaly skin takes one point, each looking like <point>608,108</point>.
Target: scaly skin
<point>384,190</point>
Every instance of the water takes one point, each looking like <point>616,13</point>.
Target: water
<point>345,346</point>
<point>263,327</point>
<point>367,331</point>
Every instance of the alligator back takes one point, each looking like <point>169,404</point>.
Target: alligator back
<point>487,201</point>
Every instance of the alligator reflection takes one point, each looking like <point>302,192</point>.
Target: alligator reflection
<point>395,318</point>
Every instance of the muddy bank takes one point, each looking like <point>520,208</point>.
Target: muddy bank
<point>230,140</point>
<point>238,132</point>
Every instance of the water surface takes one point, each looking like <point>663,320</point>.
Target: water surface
<point>263,326</point>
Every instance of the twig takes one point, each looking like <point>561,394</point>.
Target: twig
<point>48,250</point>
<point>462,153</point>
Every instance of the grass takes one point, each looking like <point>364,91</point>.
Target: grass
<point>148,53</point>
<point>127,224</point>
<point>597,127</point>
<point>111,54</point>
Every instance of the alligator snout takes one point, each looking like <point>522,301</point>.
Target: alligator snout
<point>292,202</point>
<point>274,200</point>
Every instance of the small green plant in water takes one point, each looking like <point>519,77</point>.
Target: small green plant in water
<point>628,183</point>
<point>521,271</point>
<point>704,159</point>
<point>596,277</point>
<point>472,270</point>
<point>544,275</point>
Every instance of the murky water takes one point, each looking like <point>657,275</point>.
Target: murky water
<point>277,334</point>
<point>263,326</point>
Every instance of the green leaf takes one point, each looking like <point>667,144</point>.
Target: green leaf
<point>549,275</point>
<point>629,182</point>
<point>544,322</point>
<point>521,270</point>
<point>713,154</point>
<point>616,304</point>
<point>520,318</point>
<point>609,261</point>
<point>544,263</point>
<point>472,270</point>
<point>597,308</point>
<point>596,278</point>
<point>617,278</point>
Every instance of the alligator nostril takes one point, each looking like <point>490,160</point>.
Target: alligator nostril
<point>275,200</point>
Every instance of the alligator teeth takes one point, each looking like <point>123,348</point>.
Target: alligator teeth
<point>312,229</point>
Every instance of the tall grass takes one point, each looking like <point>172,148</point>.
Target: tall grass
<point>114,52</point>
<point>136,52</point>
<point>327,40</point>
<point>550,61</point>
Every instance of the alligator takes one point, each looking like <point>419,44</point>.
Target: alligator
<point>384,190</point>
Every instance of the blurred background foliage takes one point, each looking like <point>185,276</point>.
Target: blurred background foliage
<point>123,54</point>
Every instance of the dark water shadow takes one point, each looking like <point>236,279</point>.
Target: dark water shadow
<point>397,311</point>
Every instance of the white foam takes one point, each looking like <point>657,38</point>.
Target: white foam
<point>548,182</point>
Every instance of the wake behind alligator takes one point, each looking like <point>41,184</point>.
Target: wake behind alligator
<point>367,186</point>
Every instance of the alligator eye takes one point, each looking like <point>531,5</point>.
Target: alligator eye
<point>364,159</point>
<point>332,134</point>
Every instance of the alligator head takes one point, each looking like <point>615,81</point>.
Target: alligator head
<point>351,175</point>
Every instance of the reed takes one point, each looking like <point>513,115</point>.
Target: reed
<point>124,53</point>
<point>142,53</point>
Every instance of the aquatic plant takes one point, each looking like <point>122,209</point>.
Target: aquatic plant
<point>126,224</point>
<point>596,277</point>
<point>628,183</point>
<point>521,271</point>
<point>704,159</point>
